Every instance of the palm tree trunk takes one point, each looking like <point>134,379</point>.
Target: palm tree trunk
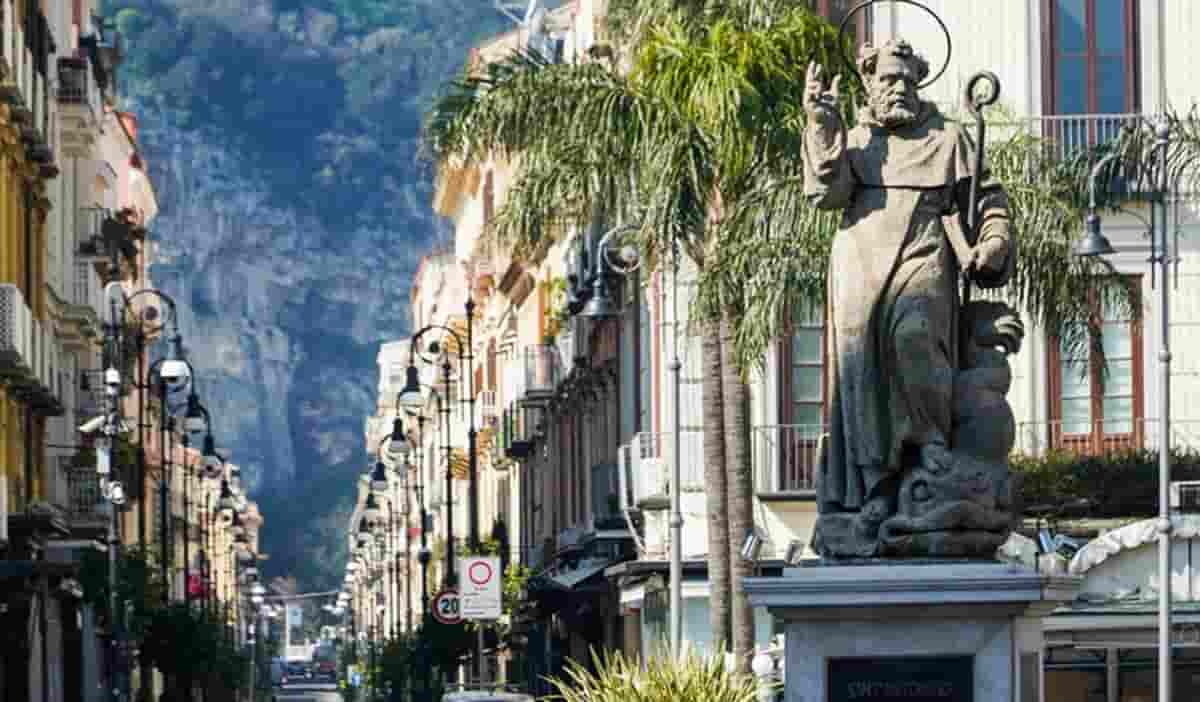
<point>714,481</point>
<point>740,488</point>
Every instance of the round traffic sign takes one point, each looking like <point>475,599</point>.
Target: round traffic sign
<point>447,607</point>
<point>480,572</point>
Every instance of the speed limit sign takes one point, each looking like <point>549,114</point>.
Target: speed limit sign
<point>447,608</point>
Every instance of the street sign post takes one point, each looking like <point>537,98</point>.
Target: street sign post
<point>447,607</point>
<point>480,579</point>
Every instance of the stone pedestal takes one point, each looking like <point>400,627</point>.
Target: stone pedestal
<point>937,631</point>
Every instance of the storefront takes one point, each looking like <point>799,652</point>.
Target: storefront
<point>645,606</point>
<point>573,610</point>
<point>1103,647</point>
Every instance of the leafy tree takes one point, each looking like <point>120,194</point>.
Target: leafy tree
<point>707,112</point>
<point>694,133</point>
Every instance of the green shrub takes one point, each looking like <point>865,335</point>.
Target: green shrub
<point>1121,483</point>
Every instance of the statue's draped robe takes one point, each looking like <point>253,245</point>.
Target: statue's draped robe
<point>893,294</point>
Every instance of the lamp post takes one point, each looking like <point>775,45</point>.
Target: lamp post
<point>380,485</point>
<point>119,305</point>
<point>413,400</point>
<point>196,419</point>
<point>599,307</point>
<point>1094,243</point>
<point>411,394</point>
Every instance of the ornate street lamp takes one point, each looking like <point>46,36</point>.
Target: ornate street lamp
<point>1094,243</point>
<point>371,511</point>
<point>226,502</point>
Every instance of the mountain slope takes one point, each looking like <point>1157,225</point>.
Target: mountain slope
<point>283,139</point>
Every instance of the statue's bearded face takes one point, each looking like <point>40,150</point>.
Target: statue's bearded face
<point>893,96</point>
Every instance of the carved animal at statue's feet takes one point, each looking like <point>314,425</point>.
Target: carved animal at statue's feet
<point>966,506</point>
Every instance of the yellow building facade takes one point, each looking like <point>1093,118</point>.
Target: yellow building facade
<point>29,394</point>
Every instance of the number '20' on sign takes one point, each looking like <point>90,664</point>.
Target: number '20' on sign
<point>447,607</point>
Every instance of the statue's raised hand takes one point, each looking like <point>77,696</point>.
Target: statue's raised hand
<point>821,104</point>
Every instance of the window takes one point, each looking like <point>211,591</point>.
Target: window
<point>805,362</point>
<point>835,11</point>
<point>1090,68</point>
<point>802,399</point>
<point>1092,56</point>
<point>1096,398</point>
<point>645,351</point>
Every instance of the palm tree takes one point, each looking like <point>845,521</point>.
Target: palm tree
<point>697,140</point>
<point>709,108</point>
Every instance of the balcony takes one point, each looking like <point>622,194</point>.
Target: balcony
<point>87,508</point>
<point>85,505</point>
<point>79,106</point>
<point>89,234</point>
<point>645,466</point>
<point>486,408</point>
<point>28,356</point>
<point>85,305</point>
<point>16,334</point>
<point>786,458</point>
<point>73,81</point>
<point>520,430</point>
<point>91,400</point>
<point>541,373</point>
<point>1099,437</point>
<point>1066,135</point>
<point>26,44</point>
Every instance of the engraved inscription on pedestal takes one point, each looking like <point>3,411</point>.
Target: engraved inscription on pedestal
<point>902,679</point>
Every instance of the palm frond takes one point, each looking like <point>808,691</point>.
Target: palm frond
<point>612,677</point>
<point>773,256</point>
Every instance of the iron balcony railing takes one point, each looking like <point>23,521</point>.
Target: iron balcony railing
<point>541,371</point>
<point>486,402</point>
<point>85,500</point>
<point>1066,135</point>
<point>88,290</point>
<point>786,457</point>
<point>73,80</point>
<point>89,236</point>
<point>1100,436</point>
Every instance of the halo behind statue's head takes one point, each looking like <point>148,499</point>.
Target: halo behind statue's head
<point>871,54</point>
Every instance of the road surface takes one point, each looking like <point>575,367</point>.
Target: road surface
<point>314,692</point>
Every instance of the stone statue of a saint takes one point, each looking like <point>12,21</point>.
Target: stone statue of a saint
<point>910,466</point>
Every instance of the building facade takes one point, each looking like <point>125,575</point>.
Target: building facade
<point>577,477</point>
<point>76,207</point>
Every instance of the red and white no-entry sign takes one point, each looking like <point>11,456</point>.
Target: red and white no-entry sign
<point>480,587</point>
<point>480,572</point>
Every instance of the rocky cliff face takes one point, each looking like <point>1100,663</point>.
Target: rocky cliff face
<point>294,206</point>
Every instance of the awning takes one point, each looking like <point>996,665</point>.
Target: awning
<point>563,576</point>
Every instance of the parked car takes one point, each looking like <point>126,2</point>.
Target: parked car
<point>326,671</point>
<point>486,695</point>
<point>278,673</point>
<point>296,672</point>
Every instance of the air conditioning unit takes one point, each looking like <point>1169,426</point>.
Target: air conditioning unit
<point>650,483</point>
<point>16,333</point>
<point>1185,496</point>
